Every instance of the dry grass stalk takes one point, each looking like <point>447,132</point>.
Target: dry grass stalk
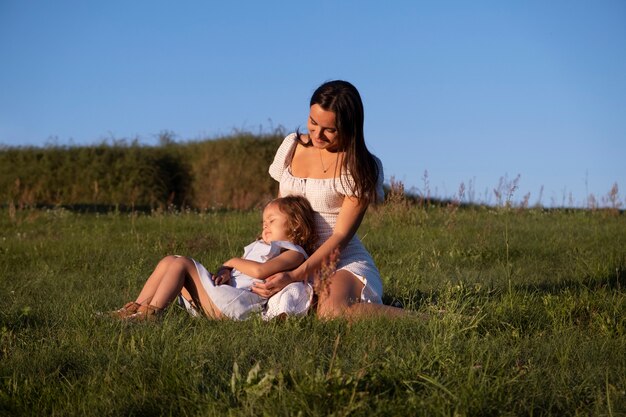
<point>321,282</point>
<point>454,205</point>
<point>613,199</point>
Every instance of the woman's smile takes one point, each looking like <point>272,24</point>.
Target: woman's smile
<point>322,127</point>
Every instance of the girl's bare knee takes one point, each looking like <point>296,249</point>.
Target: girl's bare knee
<point>167,260</point>
<point>185,263</point>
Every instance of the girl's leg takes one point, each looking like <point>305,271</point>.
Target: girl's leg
<point>342,297</point>
<point>208,307</point>
<point>152,283</point>
<point>181,275</point>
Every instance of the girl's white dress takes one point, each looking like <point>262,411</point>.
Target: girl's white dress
<point>235,299</point>
<point>326,197</point>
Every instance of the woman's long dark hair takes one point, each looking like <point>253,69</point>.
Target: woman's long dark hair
<point>344,100</point>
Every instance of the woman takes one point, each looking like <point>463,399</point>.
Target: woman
<point>333,169</point>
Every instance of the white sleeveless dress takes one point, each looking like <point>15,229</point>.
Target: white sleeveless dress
<point>326,197</point>
<point>235,299</point>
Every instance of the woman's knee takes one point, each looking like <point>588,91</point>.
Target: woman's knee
<point>341,291</point>
<point>331,307</point>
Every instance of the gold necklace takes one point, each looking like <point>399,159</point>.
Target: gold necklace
<point>322,161</point>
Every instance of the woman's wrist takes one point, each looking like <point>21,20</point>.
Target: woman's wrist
<point>297,275</point>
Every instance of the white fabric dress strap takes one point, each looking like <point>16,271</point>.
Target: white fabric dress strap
<point>277,245</point>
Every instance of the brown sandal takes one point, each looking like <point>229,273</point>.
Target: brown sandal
<point>128,309</point>
<point>145,313</point>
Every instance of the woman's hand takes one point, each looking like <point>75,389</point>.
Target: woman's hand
<point>272,284</point>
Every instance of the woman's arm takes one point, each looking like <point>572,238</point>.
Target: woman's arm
<point>350,217</point>
<point>348,222</point>
<point>285,261</point>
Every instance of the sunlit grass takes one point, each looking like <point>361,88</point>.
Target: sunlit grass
<point>525,315</point>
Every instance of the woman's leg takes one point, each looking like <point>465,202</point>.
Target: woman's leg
<point>182,275</point>
<point>342,296</point>
<point>153,281</point>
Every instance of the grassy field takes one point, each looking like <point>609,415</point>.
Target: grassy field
<point>525,314</point>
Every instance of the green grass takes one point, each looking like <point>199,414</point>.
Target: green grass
<point>526,316</point>
<point>194,174</point>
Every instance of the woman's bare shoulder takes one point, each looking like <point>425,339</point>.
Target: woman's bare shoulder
<point>304,139</point>
<point>301,143</point>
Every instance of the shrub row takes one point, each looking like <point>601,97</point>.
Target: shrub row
<point>228,172</point>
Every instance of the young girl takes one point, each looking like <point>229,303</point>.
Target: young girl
<point>288,228</point>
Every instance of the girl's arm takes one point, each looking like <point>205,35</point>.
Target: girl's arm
<point>285,261</point>
<point>348,222</point>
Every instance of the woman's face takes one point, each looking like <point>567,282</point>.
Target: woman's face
<point>322,128</point>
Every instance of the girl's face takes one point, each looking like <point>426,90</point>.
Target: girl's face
<point>322,128</point>
<point>274,224</point>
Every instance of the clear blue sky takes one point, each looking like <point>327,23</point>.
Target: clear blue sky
<point>469,91</point>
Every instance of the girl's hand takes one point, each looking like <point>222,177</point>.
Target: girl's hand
<point>222,276</point>
<point>272,284</point>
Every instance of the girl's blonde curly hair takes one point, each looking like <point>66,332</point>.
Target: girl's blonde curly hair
<point>300,221</point>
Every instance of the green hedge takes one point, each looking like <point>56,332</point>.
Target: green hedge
<point>223,173</point>
<point>232,172</point>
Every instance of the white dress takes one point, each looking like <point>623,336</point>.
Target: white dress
<point>235,299</point>
<point>326,197</point>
